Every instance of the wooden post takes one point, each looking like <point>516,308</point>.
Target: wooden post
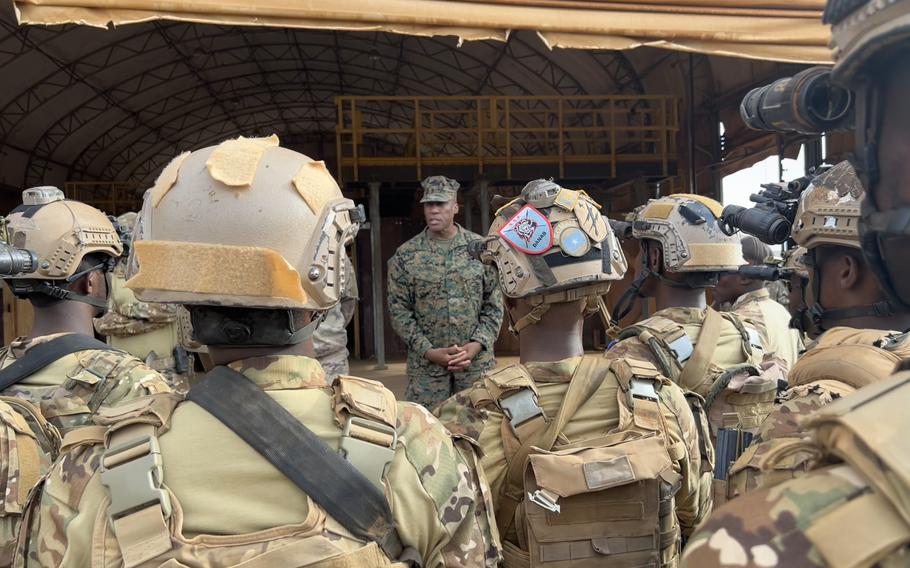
<point>376,283</point>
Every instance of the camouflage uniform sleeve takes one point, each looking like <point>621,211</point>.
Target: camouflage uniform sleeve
<point>694,498</point>
<point>438,496</point>
<point>769,527</point>
<point>133,380</point>
<point>401,308</point>
<point>490,317</point>
<point>60,526</point>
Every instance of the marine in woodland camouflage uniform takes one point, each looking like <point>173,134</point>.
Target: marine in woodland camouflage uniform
<point>439,297</point>
<point>63,395</point>
<point>851,510</point>
<point>228,505</point>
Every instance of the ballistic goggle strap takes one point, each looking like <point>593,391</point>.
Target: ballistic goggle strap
<point>627,300</point>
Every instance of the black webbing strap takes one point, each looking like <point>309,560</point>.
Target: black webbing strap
<point>42,355</point>
<point>321,472</point>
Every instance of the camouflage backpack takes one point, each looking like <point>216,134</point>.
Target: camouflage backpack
<point>841,361</point>
<point>28,445</point>
<point>603,501</point>
<point>141,524</point>
<point>725,345</point>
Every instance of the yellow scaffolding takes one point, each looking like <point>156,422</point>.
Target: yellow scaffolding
<point>505,131</point>
<point>113,197</point>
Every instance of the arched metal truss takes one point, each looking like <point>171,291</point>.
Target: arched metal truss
<point>115,105</point>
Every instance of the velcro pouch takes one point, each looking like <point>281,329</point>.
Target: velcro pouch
<point>364,398</point>
<point>610,501</point>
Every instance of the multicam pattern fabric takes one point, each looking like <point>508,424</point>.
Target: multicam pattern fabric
<point>234,507</point>
<point>769,528</point>
<point>330,340</point>
<point>484,423</point>
<point>28,445</point>
<point>778,292</point>
<point>440,298</point>
<point>772,321</point>
<point>71,389</point>
<point>126,315</point>
<point>150,331</point>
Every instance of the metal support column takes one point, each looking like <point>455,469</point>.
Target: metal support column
<point>376,256</point>
<point>468,210</point>
<point>691,126</point>
<point>484,206</point>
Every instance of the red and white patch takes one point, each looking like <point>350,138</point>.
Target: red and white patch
<point>528,231</point>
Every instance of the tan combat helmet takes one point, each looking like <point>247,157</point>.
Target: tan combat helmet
<point>869,38</point>
<point>793,262</point>
<point>58,233</point>
<point>692,243</point>
<point>551,245</point>
<point>828,215</point>
<point>686,226</point>
<point>829,209</point>
<point>245,224</point>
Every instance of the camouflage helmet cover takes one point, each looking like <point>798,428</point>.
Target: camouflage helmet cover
<point>246,224</point>
<point>550,240</point>
<point>861,30</point>
<point>793,262</point>
<point>686,226</point>
<point>61,232</point>
<point>829,210</point>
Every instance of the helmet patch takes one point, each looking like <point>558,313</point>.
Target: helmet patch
<point>528,231</point>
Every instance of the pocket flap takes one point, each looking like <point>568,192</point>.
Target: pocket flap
<point>583,470</point>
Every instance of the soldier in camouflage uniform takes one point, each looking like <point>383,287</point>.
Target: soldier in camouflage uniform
<point>74,246</point>
<point>750,298</point>
<point>851,509</point>
<point>151,332</point>
<point>165,482</point>
<point>860,350</point>
<point>330,340</point>
<point>576,409</point>
<point>444,305</point>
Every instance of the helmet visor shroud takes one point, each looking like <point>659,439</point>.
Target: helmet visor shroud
<point>871,42</point>
<point>240,230</point>
<point>48,241</point>
<point>552,245</point>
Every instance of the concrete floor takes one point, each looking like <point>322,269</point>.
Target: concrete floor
<point>394,376</point>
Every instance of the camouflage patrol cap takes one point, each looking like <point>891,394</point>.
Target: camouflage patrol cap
<point>439,189</point>
<point>829,210</point>
<point>551,245</point>
<point>686,226</point>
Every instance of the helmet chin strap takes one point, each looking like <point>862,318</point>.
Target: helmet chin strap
<point>824,319</point>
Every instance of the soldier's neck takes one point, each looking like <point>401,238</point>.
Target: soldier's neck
<point>672,297</point>
<point>63,317</point>
<point>225,355</point>
<point>445,234</point>
<point>557,336</point>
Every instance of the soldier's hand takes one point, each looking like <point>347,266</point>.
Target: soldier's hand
<point>463,361</point>
<point>442,356</point>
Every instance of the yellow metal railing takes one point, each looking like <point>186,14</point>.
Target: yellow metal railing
<point>484,132</point>
<point>113,198</point>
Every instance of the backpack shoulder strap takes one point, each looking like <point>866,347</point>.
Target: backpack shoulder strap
<point>40,356</point>
<point>305,459</point>
<point>588,377</point>
<point>694,371</point>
